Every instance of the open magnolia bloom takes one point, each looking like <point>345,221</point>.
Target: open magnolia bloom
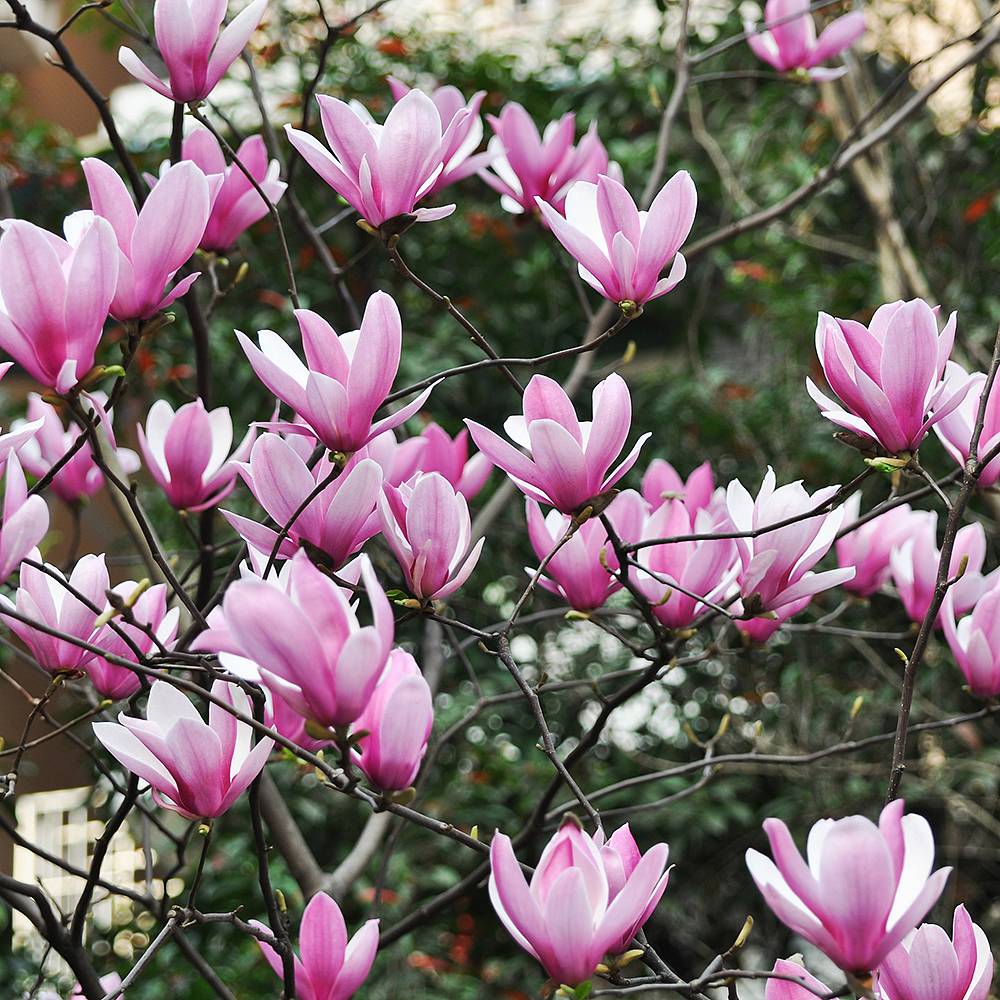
<point>55,296</point>
<point>384,170</point>
<point>525,166</point>
<point>328,966</point>
<point>622,251</point>
<point>586,898</point>
<point>776,566</point>
<point>307,641</point>
<point>570,459</point>
<point>194,768</point>
<point>788,39</point>
<point>155,241</point>
<point>344,379</point>
<point>864,888</point>
<point>889,376</point>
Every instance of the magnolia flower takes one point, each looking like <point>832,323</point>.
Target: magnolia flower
<point>397,724</point>
<point>869,547</point>
<point>194,768</point>
<point>914,565</point>
<point>152,618</point>
<point>196,54</point>
<point>187,453</point>
<point>579,570</point>
<point>888,375</point>
<point>569,460</point>
<point>927,965</point>
<point>620,250</point>
<point>79,478</point>
<point>865,887</point>
<point>975,641</point>
<point>450,457</point>
<point>217,638</point>
<point>661,483</point>
<point>328,966</point>
<point>25,519</point>
<point>788,43</point>
<point>54,297</point>
<point>684,571</point>
<point>308,643</point>
<point>384,170</point>
<point>569,917</point>
<point>43,597</point>
<point>427,526</point>
<point>337,521</point>
<point>155,242</point>
<point>955,428</point>
<point>448,100</point>
<point>525,166</point>
<point>238,205</point>
<point>776,566</point>
<point>347,378</point>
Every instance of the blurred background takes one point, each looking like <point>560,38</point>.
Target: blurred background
<point>716,369</point>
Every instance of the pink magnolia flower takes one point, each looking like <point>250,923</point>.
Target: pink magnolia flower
<point>975,641</point>
<point>337,522</point>
<point>889,375</point>
<point>661,483</point>
<point>578,572</point>
<point>620,856</point>
<point>196,54</point>
<point>195,768</point>
<point>865,887</point>
<point>927,965</point>
<point>80,477</point>
<point>808,987</point>
<point>427,526</point>
<point>620,250</point>
<point>448,100</point>
<point>569,460</point>
<point>704,568</point>
<point>450,457</point>
<point>25,519</point>
<point>237,206</point>
<point>187,453</point>
<point>328,966</point>
<point>151,615</point>
<point>398,721</point>
<point>44,598</point>
<point>869,548</point>
<point>525,166</point>
<point>384,170</point>
<point>308,643</point>
<point>218,639</point>
<point>793,45</point>
<point>155,242</point>
<point>955,428</point>
<point>347,378</point>
<point>776,566</point>
<point>914,566</point>
<point>569,918</point>
<point>398,460</point>
<point>54,297</point>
